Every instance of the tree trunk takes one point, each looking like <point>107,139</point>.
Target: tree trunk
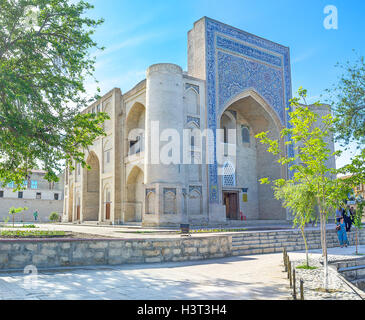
<point>324,249</point>
<point>306,246</point>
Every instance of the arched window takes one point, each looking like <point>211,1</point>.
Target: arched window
<point>191,101</point>
<point>245,132</point>
<point>150,203</point>
<point>229,177</point>
<point>195,203</point>
<point>169,202</point>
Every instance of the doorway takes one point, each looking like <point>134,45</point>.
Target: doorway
<point>78,212</point>
<point>230,200</point>
<point>107,211</point>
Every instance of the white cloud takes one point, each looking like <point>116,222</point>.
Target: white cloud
<point>304,56</point>
<point>130,42</point>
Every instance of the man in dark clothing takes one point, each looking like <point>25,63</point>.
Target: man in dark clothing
<point>348,219</point>
<point>353,213</point>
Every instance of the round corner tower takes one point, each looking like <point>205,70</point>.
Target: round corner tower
<point>164,176</point>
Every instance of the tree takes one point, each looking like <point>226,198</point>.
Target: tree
<point>44,60</point>
<point>348,101</point>
<point>54,216</point>
<point>356,176</point>
<point>301,202</point>
<point>13,211</point>
<point>308,134</point>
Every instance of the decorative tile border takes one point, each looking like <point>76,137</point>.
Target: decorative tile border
<point>153,190</point>
<point>196,120</point>
<point>173,190</point>
<point>199,188</point>
<point>235,61</point>
<point>245,49</point>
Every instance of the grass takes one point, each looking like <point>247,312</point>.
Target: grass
<point>191,231</point>
<point>326,290</point>
<point>304,266</point>
<point>217,230</point>
<point>30,234</point>
<point>26,226</point>
<point>147,232</point>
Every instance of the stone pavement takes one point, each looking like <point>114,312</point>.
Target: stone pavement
<point>337,252</point>
<point>253,277</point>
<point>313,279</point>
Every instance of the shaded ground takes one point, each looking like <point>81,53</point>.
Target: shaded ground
<point>250,277</point>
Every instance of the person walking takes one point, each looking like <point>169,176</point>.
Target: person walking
<point>35,215</point>
<point>353,214</point>
<point>339,214</point>
<point>341,233</point>
<point>347,216</point>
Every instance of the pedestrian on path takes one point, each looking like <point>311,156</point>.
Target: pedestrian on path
<point>35,215</point>
<point>341,233</point>
<point>339,214</point>
<point>353,214</point>
<point>348,220</point>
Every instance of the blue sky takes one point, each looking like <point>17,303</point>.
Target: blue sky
<point>137,34</point>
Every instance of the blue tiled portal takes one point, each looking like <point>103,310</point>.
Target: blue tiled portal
<point>236,61</point>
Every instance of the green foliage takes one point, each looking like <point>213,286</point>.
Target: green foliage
<point>6,220</point>
<point>54,216</point>
<point>309,134</point>
<point>306,267</point>
<point>299,199</point>
<point>348,101</point>
<point>13,211</point>
<point>216,230</point>
<point>356,176</point>
<point>45,58</point>
<point>301,202</point>
<point>28,226</point>
<point>312,181</point>
<point>30,233</point>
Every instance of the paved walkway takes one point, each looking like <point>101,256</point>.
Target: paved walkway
<point>249,277</point>
<point>335,253</point>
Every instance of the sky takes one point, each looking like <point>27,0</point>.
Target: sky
<point>137,34</point>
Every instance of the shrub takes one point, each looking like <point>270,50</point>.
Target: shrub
<point>54,216</point>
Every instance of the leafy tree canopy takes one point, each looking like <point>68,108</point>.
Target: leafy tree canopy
<point>44,60</point>
<point>309,134</point>
<point>348,103</point>
<point>315,181</point>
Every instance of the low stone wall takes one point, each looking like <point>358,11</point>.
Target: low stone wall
<point>80,252</point>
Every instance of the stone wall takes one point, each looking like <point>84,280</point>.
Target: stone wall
<point>75,252</point>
